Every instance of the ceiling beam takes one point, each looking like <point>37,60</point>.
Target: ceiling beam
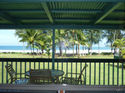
<point>107,11</point>
<point>74,19</point>
<point>76,11</point>
<point>53,11</point>
<point>61,26</point>
<point>7,17</point>
<point>58,11</point>
<point>38,1</point>
<point>47,11</point>
<point>57,19</point>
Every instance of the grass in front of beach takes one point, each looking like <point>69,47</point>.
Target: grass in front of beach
<point>24,55</point>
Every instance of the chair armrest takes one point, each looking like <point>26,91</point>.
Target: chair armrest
<point>71,74</point>
<point>22,78</point>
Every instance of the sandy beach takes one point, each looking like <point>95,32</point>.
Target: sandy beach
<point>57,51</point>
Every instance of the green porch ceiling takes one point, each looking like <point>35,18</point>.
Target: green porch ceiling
<point>71,14</point>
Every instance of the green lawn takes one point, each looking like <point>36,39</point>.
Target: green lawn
<point>66,67</point>
<point>20,55</point>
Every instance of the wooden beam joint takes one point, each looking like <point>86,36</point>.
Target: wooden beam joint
<point>47,11</point>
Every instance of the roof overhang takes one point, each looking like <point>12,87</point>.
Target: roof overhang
<point>71,14</point>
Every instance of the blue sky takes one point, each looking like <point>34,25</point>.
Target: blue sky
<point>7,37</point>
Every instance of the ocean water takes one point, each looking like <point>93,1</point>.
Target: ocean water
<point>14,48</point>
<point>25,48</point>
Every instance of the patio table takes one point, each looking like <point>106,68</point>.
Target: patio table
<point>55,74</point>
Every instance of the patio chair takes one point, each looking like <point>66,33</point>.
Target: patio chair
<point>72,80</point>
<point>14,76</point>
<point>40,76</point>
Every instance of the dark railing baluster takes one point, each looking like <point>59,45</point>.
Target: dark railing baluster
<point>43,65</point>
<point>108,74</point>
<point>12,63</point>
<point>122,73</point>
<point>62,66</point>
<point>76,69</point>
<point>7,73</point>
<point>29,65</point>
<point>94,73</point>
<point>25,68</point>
<point>117,74</point>
<point>85,74</point>
<point>67,67</point>
<point>48,65</point>
<point>99,72</point>
<point>2,72</point>
<point>103,73</point>
<point>90,73</point>
<point>71,70</point>
<point>113,75</point>
<point>34,65</point>
<point>16,66</point>
<point>81,69</point>
<point>20,70</point>
<point>57,65</point>
<point>39,65</point>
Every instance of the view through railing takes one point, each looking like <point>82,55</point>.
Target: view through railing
<point>98,72</point>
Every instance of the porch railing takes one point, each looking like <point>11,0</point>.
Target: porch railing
<point>98,72</point>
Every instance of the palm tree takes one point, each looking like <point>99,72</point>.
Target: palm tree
<point>44,40</point>
<point>98,34</point>
<point>112,35</point>
<point>81,39</point>
<point>29,36</point>
<point>60,38</point>
<point>92,38</point>
<point>120,44</point>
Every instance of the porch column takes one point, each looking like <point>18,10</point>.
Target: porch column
<point>53,49</point>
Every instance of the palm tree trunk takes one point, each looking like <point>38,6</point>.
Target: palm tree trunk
<point>33,49</point>
<point>42,51</point>
<point>111,48</point>
<point>78,50</point>
<point>91,50</point>
<point>88,50</point>
<point>60,48</point>
<point>73,43</point>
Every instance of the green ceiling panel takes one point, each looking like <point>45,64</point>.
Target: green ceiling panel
<point>20,6</point>
<point>92,13</point>
<point>76,5</point>
<point>120,15</point>
<point>28,15</point>
<point>112,22</point>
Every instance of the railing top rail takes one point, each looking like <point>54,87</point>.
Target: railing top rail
<point>60,60</point>
<point>61,86</point>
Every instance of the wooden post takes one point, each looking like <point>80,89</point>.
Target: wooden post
<point>53,50</point>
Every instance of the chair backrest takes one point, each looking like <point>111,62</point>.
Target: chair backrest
<point>38,76</point>
<point>11,72</point>
<point>82,71</point>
